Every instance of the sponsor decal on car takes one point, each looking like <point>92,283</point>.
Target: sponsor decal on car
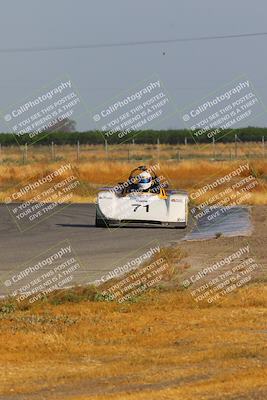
<point>104,196</point>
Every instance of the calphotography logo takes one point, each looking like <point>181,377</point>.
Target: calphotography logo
<point>38,199</point>
<point>52,109</point>
<point>231,106</point>
<point>47,273</point>
<point>136,276</point>
<point>140,108</point>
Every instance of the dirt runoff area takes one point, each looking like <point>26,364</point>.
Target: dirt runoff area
<point>246,255</point>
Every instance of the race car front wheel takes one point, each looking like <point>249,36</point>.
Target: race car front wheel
<point>100,223</point>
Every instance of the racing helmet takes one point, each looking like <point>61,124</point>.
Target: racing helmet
<point>144,180</point>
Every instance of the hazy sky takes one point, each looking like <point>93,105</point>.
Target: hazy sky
<point>190,70</point>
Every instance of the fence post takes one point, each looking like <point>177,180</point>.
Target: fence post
<point>263,146</point>
<point>235,145</point>
<point>158,147</point>
<point>213,148</point>
<point>78,150</point>
<point>52,151</point>
<point>24,153</point>
<point>133,148</point>
<point>106,148</point>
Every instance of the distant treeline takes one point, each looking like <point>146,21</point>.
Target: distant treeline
<point>171,136</point>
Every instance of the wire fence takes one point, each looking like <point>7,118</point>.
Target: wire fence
<point>132,152</point>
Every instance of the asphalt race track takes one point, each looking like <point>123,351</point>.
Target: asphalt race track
<point>98,249</point>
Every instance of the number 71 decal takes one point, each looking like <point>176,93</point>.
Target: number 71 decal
<point>136,206</point>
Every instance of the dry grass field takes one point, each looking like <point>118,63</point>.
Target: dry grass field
<point>163,346</point>
<point>193,168</point>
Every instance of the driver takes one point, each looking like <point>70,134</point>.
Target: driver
<point>144,182</point>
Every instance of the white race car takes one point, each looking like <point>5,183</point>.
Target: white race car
<point>168,208</point>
